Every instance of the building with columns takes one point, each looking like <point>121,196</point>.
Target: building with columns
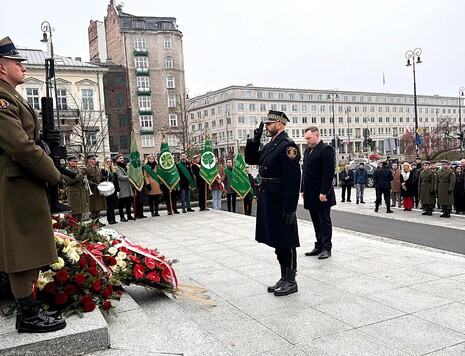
<point>229,115</point>
<point>151,51</point>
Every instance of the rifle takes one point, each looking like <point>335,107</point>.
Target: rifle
<point>51,142</point>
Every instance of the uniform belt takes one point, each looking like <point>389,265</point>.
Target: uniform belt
<point>271,180</point>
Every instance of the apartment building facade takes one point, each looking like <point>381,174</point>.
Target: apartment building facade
<point>229,116</point>
<point>78,100</point>
<point>151,50</point>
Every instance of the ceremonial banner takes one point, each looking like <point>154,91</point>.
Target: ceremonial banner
<point>167,171</point>
<point>208,166</point>
<point>186,173</point>
<point>135,165</point>
<point>240,180</point>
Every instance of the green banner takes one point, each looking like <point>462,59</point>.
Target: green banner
<point>240,180</point>
<point>135,165</point>
<point>186,173</point>
<point>208,166</point>
<point>151,173</point>
<point>167,171</point>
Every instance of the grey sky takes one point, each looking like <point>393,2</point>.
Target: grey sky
<point>294,43</point>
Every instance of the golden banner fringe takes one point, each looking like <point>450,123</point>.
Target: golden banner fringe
<point>194,293</point>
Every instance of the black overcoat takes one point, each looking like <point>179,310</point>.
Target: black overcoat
<point>317,177</point>
<point>278,191</point>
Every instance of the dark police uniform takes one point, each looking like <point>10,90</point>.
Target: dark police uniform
<point>278,193</point>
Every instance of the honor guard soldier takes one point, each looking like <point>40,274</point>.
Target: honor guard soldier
<point>76,193</point>
<point>278,196</point>
<point>445,187</point>
<point>427,188</point>
<point>26,233</point>
<point>97,202</point>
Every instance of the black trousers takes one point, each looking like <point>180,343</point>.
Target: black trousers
<point>124,203</point>
<point>154,201</point>
<point>344,188</point>
<point>387,197</point>
<point>231,201</point>
<point>248,206</point>
<point>202,200</point>
<point>323,228</point>
<point>287,257</point>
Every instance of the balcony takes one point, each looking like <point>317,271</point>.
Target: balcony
<point>145,111</point>
<point>140,52</point>
<point>144,91</point>
<point>142,72</point>
<point>147,130</point>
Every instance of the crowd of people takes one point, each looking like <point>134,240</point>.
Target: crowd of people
<point>420,184</point>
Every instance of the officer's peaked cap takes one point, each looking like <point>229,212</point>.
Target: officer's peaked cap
<point>8,50</point>
<point>276,116</point>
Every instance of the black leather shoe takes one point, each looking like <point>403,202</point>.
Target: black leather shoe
<point>123,220</point>
<point>389,211</point>
<point>325,254</point>
<point>33,319</point>
<point>113,222</point>
<point>191,210</point>
<point>130,218</point>
<point>376,210</point>
<point>350,201</point>
<point>314,252</point>
<point>176,212</point>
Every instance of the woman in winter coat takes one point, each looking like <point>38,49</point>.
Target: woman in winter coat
<point>152,186</point>
<point>407,190</point>
<point>125,191</point>
<point>459,191</point>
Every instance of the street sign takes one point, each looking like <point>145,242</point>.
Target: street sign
<point>419,131</point>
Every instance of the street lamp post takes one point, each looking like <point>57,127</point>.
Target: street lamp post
<point>415,56</point>
<point>348,130</point>
<point>461,94</point>
<point>333,95</point>
<point>228,118</point>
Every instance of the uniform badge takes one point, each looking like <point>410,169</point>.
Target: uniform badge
<point>291,152</point>
<point>4,104</point>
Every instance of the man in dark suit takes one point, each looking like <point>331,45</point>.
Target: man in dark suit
<point>347,179</point>
<point>278,196</point>
<point>383,177</point>
<point>26,233</point>
<point>317,190</point>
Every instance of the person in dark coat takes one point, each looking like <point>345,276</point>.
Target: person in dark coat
<point>185,179</point>
<point>445,187</point>
<point>347,180</point>
<point>416,169</point>
<point>459,191</point>
<point>231,195</point>
<point>249,199</point>
<point>200,183</point>
<point>278,196</point>
<point>383,177</point>
<point>427,188</point>
<point>407,191</point>
<point>360,181</point>
<point>26,233</point>
<point>109,175</point>
<point>318,191</point>
<point>97,202</point>
<point>125,190</point>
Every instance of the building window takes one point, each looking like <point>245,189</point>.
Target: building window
<point>91,138</point>
<point>33,97</point>
<point>122,120</point>
<point>173,120</point>
<point>87,96</point>
<point>146,122</point>
<point>173,141</point>
<point>241,120</point>
<point>61,97</point>
<point>304,108</point>
<point>120,100</point>
<point>147,140</point>
<point>240,107</point>
<point>143,84</point>
<point>171,101</point>
<point>123,142</point>
<point>304,120</point>
<point>283,107</point>
<point>262,107</point>
<point>170,81</point>
<point>118,81</point>
<point>252,107</point>
<point>141,63</point>
<point>295,120</point>
<point>167,42</point>
<point>274,107</point>
<point>260,95</point>
<point>168,62</point>
<point>294,108</point>
<point>144,103</point>
<point>140,44</point>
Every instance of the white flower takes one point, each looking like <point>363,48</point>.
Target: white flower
<point>44,278</point>
<point>61,216</point>
<point>59,264</point>
<point>120,263</point>
<point>122,255</point>
<point>59,240</point>
<point>114,268</point>
<point>112,250</point>
<point>74,256</point>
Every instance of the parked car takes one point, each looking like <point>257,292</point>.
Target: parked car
<point>370,167</point>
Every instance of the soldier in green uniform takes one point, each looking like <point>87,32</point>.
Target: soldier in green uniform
<point>427,188</point>
<point>97,202</point>
<point>26,233</point>
<point>76,192</point>
<point>445,187</point>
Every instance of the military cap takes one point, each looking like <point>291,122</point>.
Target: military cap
<point>276,116</point>
<point>91,156</point>
<point>445,161</point>
<point>195,156</point>
<point>72,158</point>
<point>425,163</point>
<point>8,50</point>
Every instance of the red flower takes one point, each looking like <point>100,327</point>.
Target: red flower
<point>109,260</point>
<point>61,276</point>
<point>83,262</point>
<point>166,274</point>
<point>150,262</point>
<point>50,287</point>
<point>86,298</point>
<point>93,271</point>
<point>89,306</point>
<point>106,305</point>
<point>153,276</point>
<point>125,250</point>
<point>96,286</point>
<point>69,289</point>
<point>139,271</point>
<point>61,298</point>
<point>57,225</point>
<point>134,259</point>
<point>80,279</point>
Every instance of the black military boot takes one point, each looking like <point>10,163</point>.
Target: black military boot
<point>444,213</point>
<point>289,286</point>
<point>33,319</point>
<point>448,211</point>
<point>279,283</point>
